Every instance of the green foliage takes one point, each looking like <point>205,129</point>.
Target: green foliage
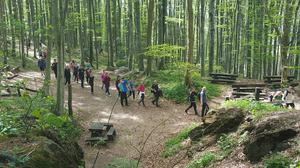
<point>12,159</point>
<point>121,62</point>
<point>34,113</point>
<point>277,161</point>
<point>173,145</point>
<point>163,50</point>
<point>258,109</point>
<point>172,83</point>
<point>122,163</point>
<point>203,161</point>
<point>31,63</point>
<point>226,143</point>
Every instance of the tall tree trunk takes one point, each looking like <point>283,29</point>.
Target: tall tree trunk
<point>202,37</point>
<point>149,33</point>
<point>285,39</point>
<point>109,34</point>
<point>138,34</point>
<point>130,36</point>
<point>212,35</point>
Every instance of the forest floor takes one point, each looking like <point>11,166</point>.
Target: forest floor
<point>133,123</point>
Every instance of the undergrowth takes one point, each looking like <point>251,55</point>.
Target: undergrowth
<point>277,161</point>
<point>174,144</point>
<point>205,160</point>
<point>227,143</point>
<point>172,83</point>
<point>122,163</point>
<point>257,109</point>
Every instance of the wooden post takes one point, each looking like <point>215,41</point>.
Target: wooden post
<point>257,94</point>
<point>70,110</point>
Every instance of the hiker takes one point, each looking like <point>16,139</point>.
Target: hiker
<point>75,73</point>
<point>91,80</point>
<point>203,99</point>
<point>42,66</point>
<point>81,76</point>
<point>54,67</point>
<point>141,93</point>
<point>131,89</point>
<point>123,89</point>
<point>72,65</point>
<point>156,93</point>
<point>117,85</point>
<point>103,78</point>
<point>106,83</point>
<point>192,100</point>
<point>67,75</point>
<point>288,97</point>
<point>87,75</point>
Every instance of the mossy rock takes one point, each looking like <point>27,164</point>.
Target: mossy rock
<point>225,121</point>
<point>272,134</point>
<point>49,154</point>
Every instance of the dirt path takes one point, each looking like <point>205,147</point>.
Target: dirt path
<point>132,124</point>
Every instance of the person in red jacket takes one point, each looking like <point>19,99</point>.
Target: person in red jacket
<point>141,93</point>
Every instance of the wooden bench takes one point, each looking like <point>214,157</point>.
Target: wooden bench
<point>93,140</point>
<point>111,134</point>
<point>223,78</point>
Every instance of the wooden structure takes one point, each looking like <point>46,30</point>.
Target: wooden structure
<point>223,78</point>
<point>255,90</point>
<point>101,132</point>
<point>275,81</point>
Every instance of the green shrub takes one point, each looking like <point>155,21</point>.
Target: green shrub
<point>277,161</point>
<point>173,145</point>
<point>20,115</point>
<point>258,109</point>
<point>226,143</point>
<point>122,163</point>
<point>173,86</point>
<point>122,62</point>
<point>203,161</point>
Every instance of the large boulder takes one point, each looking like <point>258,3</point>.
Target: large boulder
<point>272,134</point>
<point>51,154</point>
<point>224,121</point>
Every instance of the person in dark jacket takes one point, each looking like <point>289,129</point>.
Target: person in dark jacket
<point>81,75</point>
<point>42,65</point>
<point>75,73</point>
<point>91,80</point>
<point>54,67</point>
<point>106,82</point>
<point>117,85</point>
<point>67,75</point>
<point>192,100</point>
<point>87,75</point>
<point>203,100</point>
<point>156,93</point>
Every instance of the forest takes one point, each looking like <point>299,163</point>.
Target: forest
<point>238,60</point>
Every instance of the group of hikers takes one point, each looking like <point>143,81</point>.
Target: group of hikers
<point>201,96</point>
<point>125,88</point>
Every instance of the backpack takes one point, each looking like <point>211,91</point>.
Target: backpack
<point>160,93</point>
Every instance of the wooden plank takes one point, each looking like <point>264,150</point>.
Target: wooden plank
<point>275,77</point>
<point>248,85</point>
<point>224,77</point>
<point>221,81</point>
<point>223,74</point>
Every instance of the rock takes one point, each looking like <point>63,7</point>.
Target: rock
<point>121,70</point>
<point>225,121</point>
<point>272,134</point>
<point>50,154</point>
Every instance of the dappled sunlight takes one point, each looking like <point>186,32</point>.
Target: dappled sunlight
<point>122,116</point>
